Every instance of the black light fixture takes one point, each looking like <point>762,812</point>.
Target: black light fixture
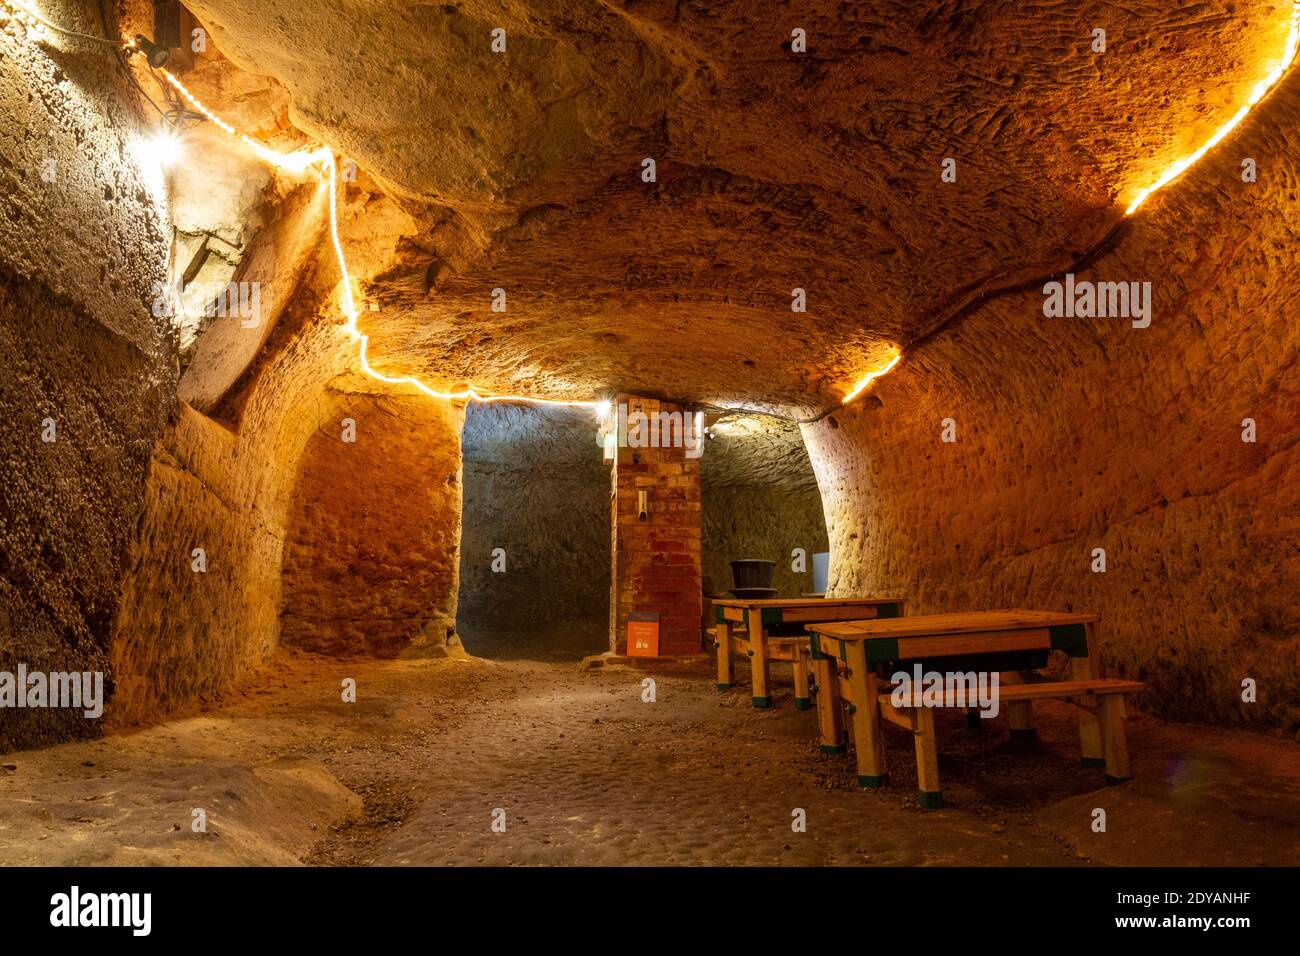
<point>155,54</point>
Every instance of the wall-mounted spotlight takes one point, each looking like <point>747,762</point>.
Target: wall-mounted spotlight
<point>156,55</point>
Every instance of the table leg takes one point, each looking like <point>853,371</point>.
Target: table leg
<point>758,662</point>
<point>1110,708</point>
<point>1020,713</point>
<point>830,716</point>
<point>1083,668</point>
<point>928,790</point>
<point>802,701</point>
<point>722,639</point>
<point>868,742</point>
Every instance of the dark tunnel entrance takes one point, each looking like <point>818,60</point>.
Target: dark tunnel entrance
<point>534,565</point>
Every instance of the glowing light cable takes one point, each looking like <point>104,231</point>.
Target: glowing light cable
<point>296,162</point>
<point>1257,93</point>
<point>872,376</point>
<point>299,161</point>
<point>348,305</point>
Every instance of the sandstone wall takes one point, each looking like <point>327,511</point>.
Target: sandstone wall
<point>224,486</point>
<point>225,481</point>
<point>372,553</point>
<point>83,239</point>
<point>1075,434</point>
<point>761,521</point>
<point>536,487</point>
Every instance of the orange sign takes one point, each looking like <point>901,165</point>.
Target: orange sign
<point>642,638</point>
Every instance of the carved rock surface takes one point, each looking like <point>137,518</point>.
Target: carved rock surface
<point>774,170</point>
<point>1078,434</point>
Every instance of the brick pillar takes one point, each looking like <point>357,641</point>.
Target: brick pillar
<point>656,562</point>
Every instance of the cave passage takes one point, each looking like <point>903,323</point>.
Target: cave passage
<point>535,536</point>
<point>388,392</point>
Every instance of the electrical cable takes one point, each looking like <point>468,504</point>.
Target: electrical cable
<point>299,161</point>
<point>49,24</point>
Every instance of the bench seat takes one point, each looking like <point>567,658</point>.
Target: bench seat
<point>1103,697</point>
<point>1044,690</point>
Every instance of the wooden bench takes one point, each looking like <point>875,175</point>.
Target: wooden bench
<point>853,661</point>
<point>790,650</point>
<point>1102,698</point>
<point>773,630</point>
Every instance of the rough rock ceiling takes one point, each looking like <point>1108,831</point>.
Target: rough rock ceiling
<point>531,439</point>
<point>776,170</point>
<point>748,450</point>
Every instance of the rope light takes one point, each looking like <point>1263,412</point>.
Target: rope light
<point>296,162</point>
<point>348,305</point>
<point>872,376</point>
<point>1257,93</point>
<point>300,161</point>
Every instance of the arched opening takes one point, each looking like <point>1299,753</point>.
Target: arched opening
<point>761,501</point>
<point>534,556</point>
<point>371,546</point>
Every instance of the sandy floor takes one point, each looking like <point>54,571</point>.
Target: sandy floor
<point>588,773</point>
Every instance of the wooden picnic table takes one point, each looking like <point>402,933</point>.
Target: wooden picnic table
<point>854,660</point>
<point>774,631</point>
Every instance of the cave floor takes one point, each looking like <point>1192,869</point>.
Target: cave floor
<point>588,773</point>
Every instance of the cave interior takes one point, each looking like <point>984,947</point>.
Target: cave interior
<point>320,340</point>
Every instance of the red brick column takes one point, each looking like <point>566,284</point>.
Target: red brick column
<point>656,562</point>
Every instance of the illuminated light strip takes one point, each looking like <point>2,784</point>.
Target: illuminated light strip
<point>298,162</point>
<point>872,376</point>
<point>1259,91</point>
<point>349,307</point>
